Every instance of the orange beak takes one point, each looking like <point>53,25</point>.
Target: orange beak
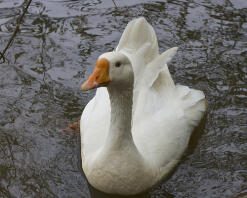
<point>99,77</point>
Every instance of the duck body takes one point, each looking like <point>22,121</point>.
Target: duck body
<point>135,130</point>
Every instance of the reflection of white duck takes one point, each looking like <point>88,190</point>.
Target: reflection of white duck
<point>134,131</point>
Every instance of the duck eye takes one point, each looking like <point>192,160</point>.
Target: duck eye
<point>118,64</point>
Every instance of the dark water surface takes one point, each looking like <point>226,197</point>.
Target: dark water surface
<point>56,50</point>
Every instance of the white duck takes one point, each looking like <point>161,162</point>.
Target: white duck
<point>136,128</point>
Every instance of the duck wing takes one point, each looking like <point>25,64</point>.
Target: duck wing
<point>95,122</point>
<point>165,114</point>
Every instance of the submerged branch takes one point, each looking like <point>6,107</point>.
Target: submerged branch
<point>114,3</point>
<point>17,28</point>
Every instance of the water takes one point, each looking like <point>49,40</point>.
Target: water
<point>55,52</point>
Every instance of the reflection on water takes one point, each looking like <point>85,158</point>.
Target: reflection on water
<point>58,44</point>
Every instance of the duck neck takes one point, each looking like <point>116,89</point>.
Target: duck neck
<point>119,136</point>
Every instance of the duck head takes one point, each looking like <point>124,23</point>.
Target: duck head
<point>112,69</point>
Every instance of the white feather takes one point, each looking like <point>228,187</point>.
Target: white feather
<point>164,116</point>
